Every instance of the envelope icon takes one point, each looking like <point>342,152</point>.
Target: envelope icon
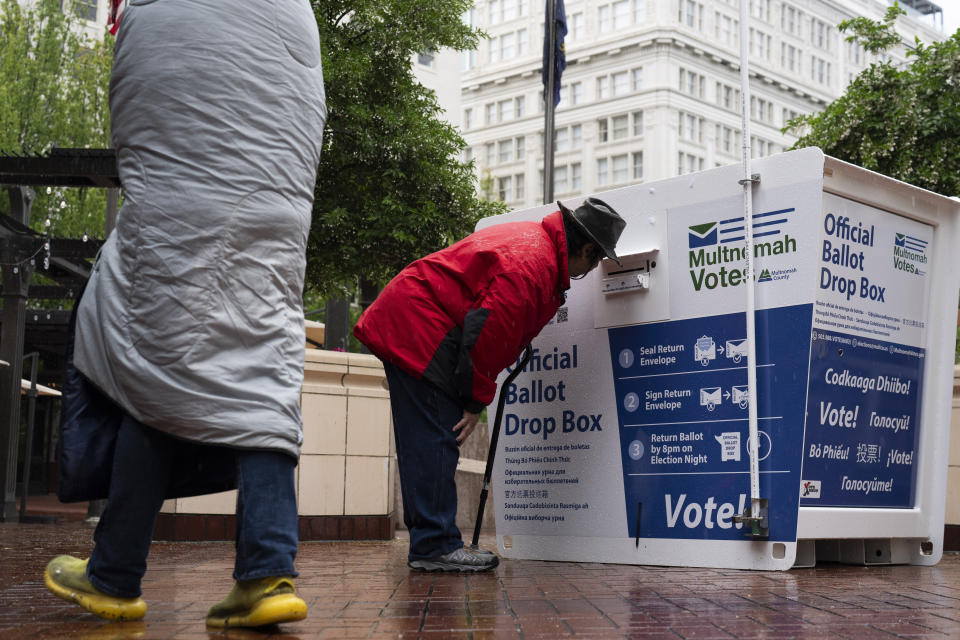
<point>901,240</point>
<point>711,396</point>
<point>703,235</point>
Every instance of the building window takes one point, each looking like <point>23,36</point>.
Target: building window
<point>637,123</point>
<point>759,44</point>
<point>425,59</point>
<point>790,19</point>
<point>575,26</point>
<point>620,169</point>
<point>603,87</point>
<point>560,179</point>
<point>520,104</point>
<point>505,151</point>
<point>637,78</point>
<point>726,29</point>
<point>820,34</point>
<point>491,154</point>
<point>621,83</point>
<point>819,70</point>
<point>727,140</point>
<point>602,130</point>
<point>576,177</point>
<point>576,93</point>
<point>728,97</point>
<point>760,9</point>
<point>691,83</point>
<point>495,12</point>
<point>691,14</point>
<point>467,119</point>
<point>691,127</point>
<point>505,110</point>
<point>505,188</point>
<point>467,155</point>
<point>87,10</point>
<point>521,147</point>
<point>490,113</point>
<point>621,127</point>
<point>469,59</point>
<point>761,110</point>
<point>638,165</point>
<point>519,186</point>
<point>603,177</point>
<point>790,57</point>
<point>688,163</point>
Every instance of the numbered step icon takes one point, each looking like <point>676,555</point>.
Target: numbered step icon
<point>626,358</point>
<point>631,402</point>
<point>635,450</point>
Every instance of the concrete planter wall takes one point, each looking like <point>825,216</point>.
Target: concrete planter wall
<point>345,476</point>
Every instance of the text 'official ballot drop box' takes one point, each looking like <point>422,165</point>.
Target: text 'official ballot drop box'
<point>625,439</point>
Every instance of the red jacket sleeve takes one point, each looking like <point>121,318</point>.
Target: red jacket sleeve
<point>513,308</point>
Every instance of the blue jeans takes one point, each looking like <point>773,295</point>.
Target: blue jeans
<point>142,461</point>
<point>427,454</point>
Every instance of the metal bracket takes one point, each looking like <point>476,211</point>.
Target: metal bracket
<point>754,179</point>
<point>758,524</point>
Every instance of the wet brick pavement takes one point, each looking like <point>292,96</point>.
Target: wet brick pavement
<point>364,590</point>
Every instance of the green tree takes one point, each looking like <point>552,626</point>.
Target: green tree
<point>391,187</point>
<point>54,82</point>
<point>901,121</point>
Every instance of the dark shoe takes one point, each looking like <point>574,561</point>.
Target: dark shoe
<point>255,603</point>
<point>66,577</point>
<point>462,559</point>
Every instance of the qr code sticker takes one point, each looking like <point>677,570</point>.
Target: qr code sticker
<point>562,314</point>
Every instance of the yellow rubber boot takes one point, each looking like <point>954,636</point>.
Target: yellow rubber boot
<point>255,603</point>
<point>66,577</point>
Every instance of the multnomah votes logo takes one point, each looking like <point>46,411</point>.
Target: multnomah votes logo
<point>708,234</point>
<point>909,254</point>
<point>716,262</point>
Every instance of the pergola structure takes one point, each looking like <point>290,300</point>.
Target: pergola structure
<point>41,330</point>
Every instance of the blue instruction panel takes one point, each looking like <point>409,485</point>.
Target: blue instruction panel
<point>682,405</point>
<point>863,416</point>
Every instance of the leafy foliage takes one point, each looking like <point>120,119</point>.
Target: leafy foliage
<point>901,122</point>
<point>54,85</point>
<point>390,186</point>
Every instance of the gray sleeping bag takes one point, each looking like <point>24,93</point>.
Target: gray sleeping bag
<point>192,320</point>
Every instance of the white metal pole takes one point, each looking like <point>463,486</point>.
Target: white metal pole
<point>747,183</point>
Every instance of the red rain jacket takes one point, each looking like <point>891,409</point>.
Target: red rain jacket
<point>459,316</point>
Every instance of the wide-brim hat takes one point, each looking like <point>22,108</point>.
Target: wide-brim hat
<point>599,222</point>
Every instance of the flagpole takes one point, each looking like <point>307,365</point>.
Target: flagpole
<point>550,32</point>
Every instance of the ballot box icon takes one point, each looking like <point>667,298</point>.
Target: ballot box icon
<point>729,446</point>
<point>740,396</point>
<point>736,350</point>
<point>710,397</point>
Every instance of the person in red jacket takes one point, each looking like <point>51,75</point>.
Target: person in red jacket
<point>445,327</point>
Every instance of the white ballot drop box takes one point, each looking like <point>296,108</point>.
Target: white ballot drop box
<point>625,439</point>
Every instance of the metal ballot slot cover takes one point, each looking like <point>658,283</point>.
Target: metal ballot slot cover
<point>633,276</point>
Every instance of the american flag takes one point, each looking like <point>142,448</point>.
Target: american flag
<point>116,12</point>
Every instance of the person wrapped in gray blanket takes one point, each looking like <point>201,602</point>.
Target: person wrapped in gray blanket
<point>192,321</point>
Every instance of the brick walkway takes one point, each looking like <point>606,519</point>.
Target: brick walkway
<point>364,590</point>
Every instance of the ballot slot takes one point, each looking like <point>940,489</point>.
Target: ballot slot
<point>635,291</point>
<point>633,276</point>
